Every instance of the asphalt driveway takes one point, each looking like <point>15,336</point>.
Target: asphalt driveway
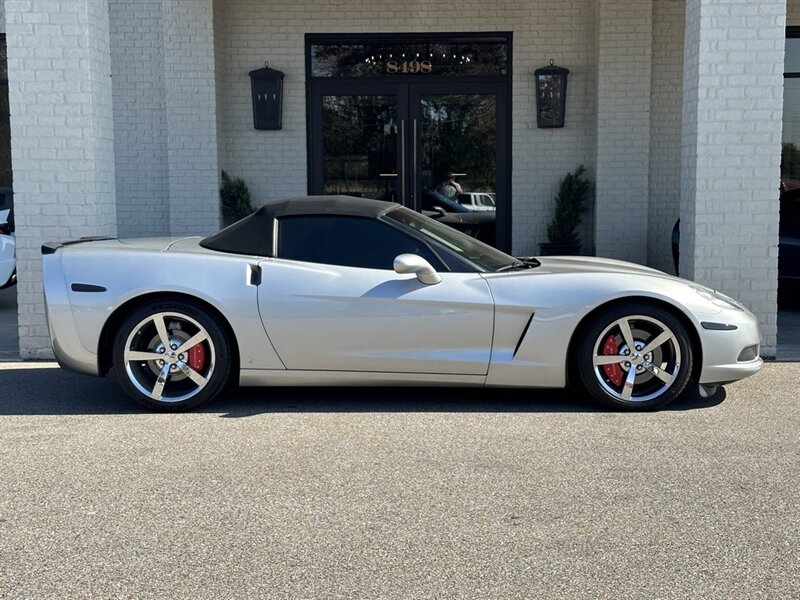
<point>320,493</point>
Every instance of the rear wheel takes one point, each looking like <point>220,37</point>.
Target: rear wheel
<point>171,356</point>
<point>637,356</point>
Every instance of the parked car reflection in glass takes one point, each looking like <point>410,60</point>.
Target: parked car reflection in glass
<point>478,201</point>
<point>480,225</point>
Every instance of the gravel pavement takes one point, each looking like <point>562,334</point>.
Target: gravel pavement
<point>366,493</point>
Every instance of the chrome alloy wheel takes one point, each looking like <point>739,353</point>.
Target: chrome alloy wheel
<point>169,357</point>
<point>636,358</point>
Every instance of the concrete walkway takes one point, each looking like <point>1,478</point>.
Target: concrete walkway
<point>9,333</point>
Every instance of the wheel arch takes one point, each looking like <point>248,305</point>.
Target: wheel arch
<point>585,322</point>
<point>111,326</point>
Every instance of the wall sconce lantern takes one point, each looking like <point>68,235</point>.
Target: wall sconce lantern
<point>551,96</point>
<point>267,87</point>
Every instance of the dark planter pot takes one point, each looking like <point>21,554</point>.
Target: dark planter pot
<point>548,249</point>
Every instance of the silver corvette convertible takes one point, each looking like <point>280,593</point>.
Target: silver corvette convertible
<point>347,291</point>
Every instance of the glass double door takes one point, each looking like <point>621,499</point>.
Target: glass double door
<point>434,147</point>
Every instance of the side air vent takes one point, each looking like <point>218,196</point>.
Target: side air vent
<point>87,287</point>
<point>522,337</point>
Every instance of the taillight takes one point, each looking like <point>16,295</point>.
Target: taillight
<point>4,230</point>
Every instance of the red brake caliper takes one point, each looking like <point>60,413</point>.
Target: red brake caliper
<point>613,372</point>
<point>197,357</point>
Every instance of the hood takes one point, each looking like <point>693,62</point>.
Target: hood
<point>589,264</point>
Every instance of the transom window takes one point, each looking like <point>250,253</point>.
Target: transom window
<point>387,56</point>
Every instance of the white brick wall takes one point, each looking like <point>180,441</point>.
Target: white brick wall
<point>274,162</point>
<point>165,116</point>
<point>733,102</point>
<point>140,117</point>
<point>219,69</point>
<point>62,138</point>
<point>666,96</point>
<point>625,33</point>
<point>191,116</point>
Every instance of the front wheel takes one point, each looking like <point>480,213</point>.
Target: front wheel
<point>636,357</point>
<point>171,356</point>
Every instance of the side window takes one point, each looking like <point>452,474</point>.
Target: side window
<point>346,241</point>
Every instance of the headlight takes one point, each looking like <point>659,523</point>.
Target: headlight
<point>718,299</point>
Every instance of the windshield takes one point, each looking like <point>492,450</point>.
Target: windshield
<point>481,255</point>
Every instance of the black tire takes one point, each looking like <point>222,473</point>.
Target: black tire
<point>140,358</point>
<point>12,281</point>
<point>661,374</point>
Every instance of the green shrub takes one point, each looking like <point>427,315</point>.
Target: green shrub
<point>235,199</point>
<point>573,193</point>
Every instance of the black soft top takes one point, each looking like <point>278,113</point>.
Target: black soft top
<point>255,234</point>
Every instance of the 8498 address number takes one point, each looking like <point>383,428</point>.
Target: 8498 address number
<point>409,66</point>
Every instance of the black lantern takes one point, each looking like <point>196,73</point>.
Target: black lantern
<point>267,88</point>
<point>551,96</point>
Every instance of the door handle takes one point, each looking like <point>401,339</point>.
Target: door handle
<point>414,166</point>
<point>254,277</point>
<point>402,161</point>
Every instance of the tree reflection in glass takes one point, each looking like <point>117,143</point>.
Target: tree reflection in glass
<point>549,92</point>
<point>359,136</point>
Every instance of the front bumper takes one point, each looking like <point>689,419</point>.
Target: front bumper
<point>722,349</point>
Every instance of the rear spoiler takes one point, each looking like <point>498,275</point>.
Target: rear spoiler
<point>51,247</point>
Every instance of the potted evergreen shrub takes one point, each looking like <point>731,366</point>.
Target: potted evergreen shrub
<point>235,199</point>
<point>570,205</point>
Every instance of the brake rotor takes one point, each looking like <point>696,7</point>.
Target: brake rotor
<point>654,357</point>
<point>615,346</point>
<point>176,338</point>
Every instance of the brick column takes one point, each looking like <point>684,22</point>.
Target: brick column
<point>732,111</point>
<point>61,139</point>
<point>625,39</point>
<point>191,116</point>
<point>140,117</point>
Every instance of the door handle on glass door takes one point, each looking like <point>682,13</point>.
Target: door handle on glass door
<point>402,161</point>
<point>414,167</point>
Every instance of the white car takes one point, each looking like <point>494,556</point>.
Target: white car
<point>337,290</point>
<point>8,264</point>
<point>478,201</point>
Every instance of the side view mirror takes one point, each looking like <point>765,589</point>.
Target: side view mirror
<point>411,263</point>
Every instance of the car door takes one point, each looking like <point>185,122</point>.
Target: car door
<point>332,301</point>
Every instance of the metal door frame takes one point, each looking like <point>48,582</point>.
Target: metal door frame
<point>408,89</point>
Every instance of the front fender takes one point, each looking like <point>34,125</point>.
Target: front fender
<point>536,317</point>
